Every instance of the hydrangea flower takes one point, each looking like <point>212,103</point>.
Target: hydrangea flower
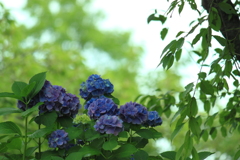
<point>55,98</point>
<point>83,118</point>
<point>133,113</point>
<point>58,139</point>
<point>153,119</point>
<point>95,86</point>
<point>102,106</point>
<point>92,100</point>
<point>109,124</point>
<point>32,103</point>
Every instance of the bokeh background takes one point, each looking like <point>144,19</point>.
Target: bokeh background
<point>76,38</point>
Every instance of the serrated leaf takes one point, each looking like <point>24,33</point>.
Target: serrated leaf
<point>40,80</point>
<point>110,145</point>
<point>40,133</point>
<point>125,150</point>
<point>9,128</point>
<point>6,111</point>
<point>17,87</point>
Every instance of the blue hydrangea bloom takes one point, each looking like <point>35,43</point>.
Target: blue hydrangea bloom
<point>58,139</point>
<point>153,119</point>
<point>92,100</point>
<point>133,113</point>
<point>32,103</point>
<point>109,124</point>
<point>95,86</point>
<point>55,98</point>
<point>102,106</point>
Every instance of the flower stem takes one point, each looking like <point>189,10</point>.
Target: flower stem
<point>39,143</point>
<point>25,138</point>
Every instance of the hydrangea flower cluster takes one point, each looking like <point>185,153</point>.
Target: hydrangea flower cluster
<point>95,86</point>
<point>133,113</point>
<point>153,119</point>
<point>83,118</point>
<point>92,100</point>
<point>55,98</point>
<point>109,124</point>
<point>58,139</point>
<point>102,106</point>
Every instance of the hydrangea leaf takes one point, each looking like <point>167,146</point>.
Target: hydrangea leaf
<point>17,87</point>
<point>29,111</point>
<point>47,119</point>
<point>40,133</point>
<point>125,150</point>
<point>10,95</point>
<point>149,133</point>
<point>15,143</point>
<point>6,111</point>
<point>9,128</point>
<point>110,145</point>
<point>73,132</point>
<point>140,155</point>
<point>169,154</point>
<point>39,79</point>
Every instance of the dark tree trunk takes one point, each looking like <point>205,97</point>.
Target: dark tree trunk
<point>230,27</point>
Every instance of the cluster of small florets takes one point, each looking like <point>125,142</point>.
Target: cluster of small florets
<point>83,118</point>
<point>95,86</point>
<point>58,139</point>
<point>101,107</point>
<point>109,119</point>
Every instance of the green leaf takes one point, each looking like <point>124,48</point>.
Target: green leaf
<point>110,145</point>
<point>172,43</point>
<point>179,33</point>
<point>74,155</point>
<point>89,151</point>
<point>204,135</point>
<point>180,43</point>
<point>123,134</point>
<point>6,111</point>
<point>213,132</point>
<point>214,19</point>
<point>65,121</point>
<point>188,89</point>
<point>9,128</point>
<point>40,80</point>
<point>207,106</point>
<point>163,33</point>
<point>176,130</point>
<point>194,126</point>
<point>47,119</point>
<point>224,131</point>
<point>204,155</point>
<point>149,133</point>
<point>15,143</point>
<point>193,107</point>
<point>227,8</point>
<point>40,133</point>
<point>73,132</point>
<point>30,151</point>
<point>178,54</point>
<point>29,90</point>
<point>3,147</point>
<point>10,95</point>
<point>195,155</point>
<point>206,87</point>
<point>153,17</point>
<point>17,87</point>
<point>237,155</point>
<point>141,143</point>
<point>125,150</point>
<point>169,154</point>
<point>140,155</point>
<point>188,144</point>
<point>220,40</point>
<point>31,110</point>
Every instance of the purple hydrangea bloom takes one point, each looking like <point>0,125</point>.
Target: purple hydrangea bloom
<point>95,86</point>
<point>133,113</point>
<point>153,119</point>
<point>58,139</point>
<point>102,106</point>
<point>55,98</point>
<point>92,100</point>
<point>109,124</point>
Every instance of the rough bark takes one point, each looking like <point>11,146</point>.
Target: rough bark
<point>230,27</point>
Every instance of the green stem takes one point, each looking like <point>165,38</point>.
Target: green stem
<point>25,138</point>
<point>39,143</point>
